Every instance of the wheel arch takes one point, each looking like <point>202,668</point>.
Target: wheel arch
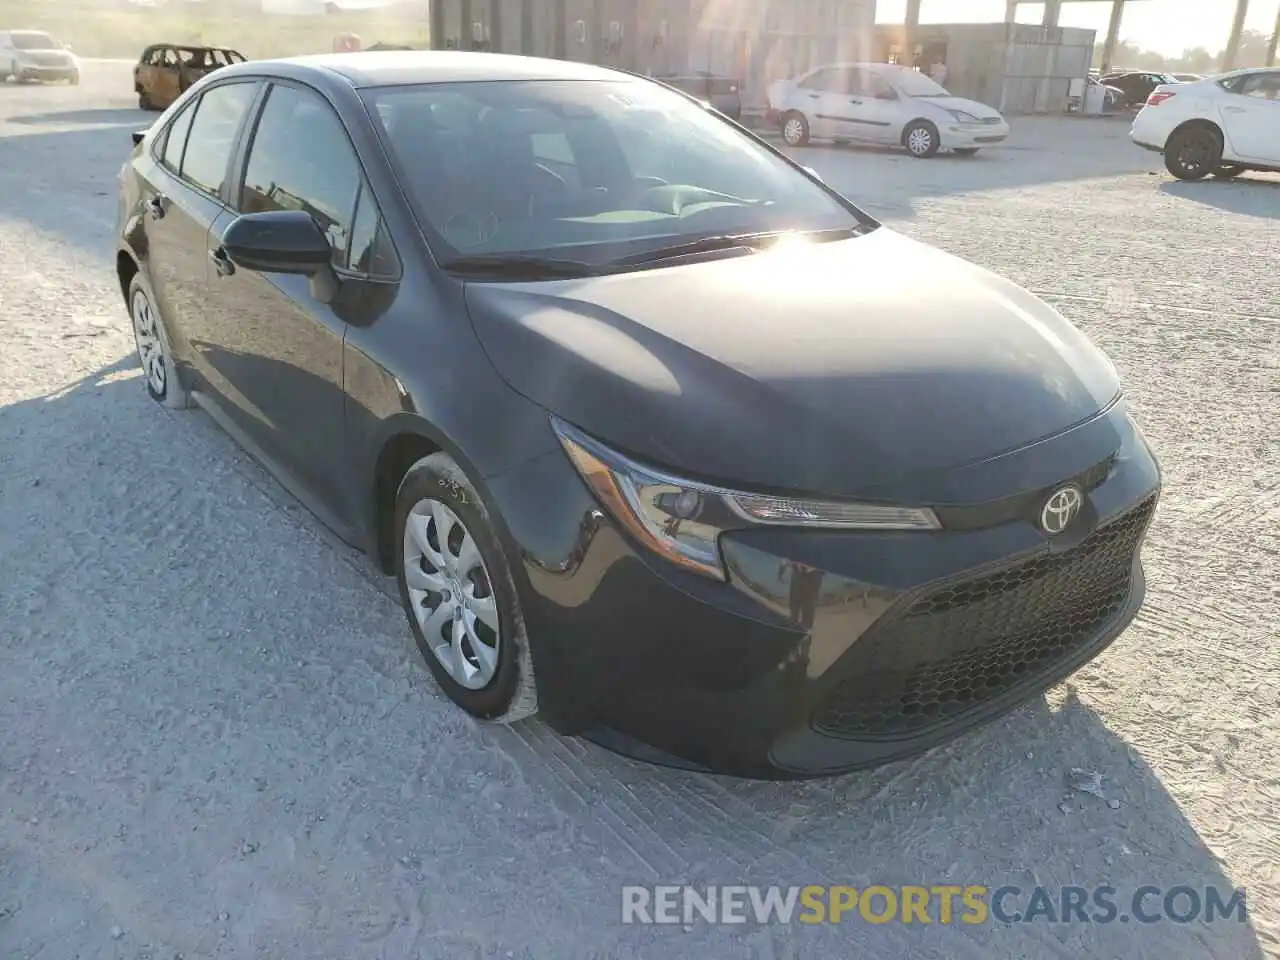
<point>126,269</point>
<point>1199,123</point>
<point>402,441</point>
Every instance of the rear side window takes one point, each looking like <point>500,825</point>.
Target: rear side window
<point>301,159</point>
<point>219,115</point>
<point>176,139</point>
<point>1265,86</point>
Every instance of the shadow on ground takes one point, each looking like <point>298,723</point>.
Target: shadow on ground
<point>1251,194</point>
<point>209,709</point>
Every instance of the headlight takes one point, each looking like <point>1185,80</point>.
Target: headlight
<point>963,117</point>
<point>682,519</point>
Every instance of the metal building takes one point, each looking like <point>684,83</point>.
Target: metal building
<point>1017,68</point>
<point>755,41</point>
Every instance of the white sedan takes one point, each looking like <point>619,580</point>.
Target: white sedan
<point>1219,126</point>
<point>881,103</point>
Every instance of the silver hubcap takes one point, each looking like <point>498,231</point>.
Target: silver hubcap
<point>793,130</point>
<point>451,593</point>
<point>150,349</point>
<point>919,141</point>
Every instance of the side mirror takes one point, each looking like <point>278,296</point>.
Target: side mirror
<point>277,241</point>
<point>67,47</point>
<point>886,95</point>
<point>138,136</point>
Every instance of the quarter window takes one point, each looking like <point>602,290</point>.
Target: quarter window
<point>371,252</point>
<point>176,139</point>
<point>301,159</point>
<point>1264,86</point>
<point>218,117</point>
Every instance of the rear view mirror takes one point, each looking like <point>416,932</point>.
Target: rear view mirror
<point>277,241</point>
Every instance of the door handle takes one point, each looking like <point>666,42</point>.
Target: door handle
<point>156,206</point>
<point>1233,110</point>
<point>813,96</point>
<point>221,263</point>
<point>855,100</point>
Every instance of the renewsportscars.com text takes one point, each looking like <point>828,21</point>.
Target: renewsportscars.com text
<point>931,904</point>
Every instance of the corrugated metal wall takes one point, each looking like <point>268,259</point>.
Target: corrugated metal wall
<point>757,41</point>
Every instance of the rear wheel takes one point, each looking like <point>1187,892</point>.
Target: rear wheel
<point>1192,153</point>
<point>459,595</point>
<point>921,139</point>
<point>1227,171</point>
<point>795,129</point>
<point>155,356</point>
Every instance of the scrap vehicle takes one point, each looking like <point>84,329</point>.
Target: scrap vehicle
<point>166,70</point>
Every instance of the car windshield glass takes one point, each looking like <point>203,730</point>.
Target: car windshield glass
<point>912,83</point>
<point>593,171</point>
<point>33,41</point>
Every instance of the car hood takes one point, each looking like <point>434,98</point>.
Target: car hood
<point>830,368</point>
<point>973,107</point>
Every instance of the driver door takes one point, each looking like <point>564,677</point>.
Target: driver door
<point>874,110</point>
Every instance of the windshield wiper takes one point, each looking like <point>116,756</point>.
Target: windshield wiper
<point>730,242</point>
<point>519,267</point>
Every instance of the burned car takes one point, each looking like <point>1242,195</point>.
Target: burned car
<point>165,70</point>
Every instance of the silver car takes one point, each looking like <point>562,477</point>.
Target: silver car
<point>34,55</point>
<point>881,103</point>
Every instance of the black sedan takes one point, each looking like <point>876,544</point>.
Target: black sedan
<point>663,439</point>
<point>1136,85</point>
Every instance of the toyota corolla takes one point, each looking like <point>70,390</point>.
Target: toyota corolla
<point>663,439</point>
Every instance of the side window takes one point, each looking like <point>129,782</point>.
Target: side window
<point>301,159</point>
<point>1264,86</point>
<point>219,115</point>
<point>830,79</point>
<point>175,139</point>
<point>371,251</point>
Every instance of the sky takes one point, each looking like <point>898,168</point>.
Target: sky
<point>1166,26</point>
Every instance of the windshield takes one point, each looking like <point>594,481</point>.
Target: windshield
<point>912,83</point>
<point>589,170</point>
<point>33,41</point>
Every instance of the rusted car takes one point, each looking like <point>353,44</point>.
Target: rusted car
<point>165,70</point>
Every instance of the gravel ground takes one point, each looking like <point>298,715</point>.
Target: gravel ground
<point>216,739</point>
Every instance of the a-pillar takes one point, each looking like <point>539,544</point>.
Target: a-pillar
<point>1233,42</point>
<point>910,27</point>
<point>1113,35</point>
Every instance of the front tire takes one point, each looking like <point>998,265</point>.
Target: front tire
<point>921,139</point>
<point>795,129</point>
<point>155,356</point>
<point>459,595</point>
<point>1227,171</point>
<point>1192,153</point>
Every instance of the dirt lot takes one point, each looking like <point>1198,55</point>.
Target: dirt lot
<point>216,739</point>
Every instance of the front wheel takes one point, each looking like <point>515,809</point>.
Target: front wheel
<point>795,129</point>
<point>1227,171</point>
<point>459,594</point>
<point>1193,153</point>
<point>921,139</point>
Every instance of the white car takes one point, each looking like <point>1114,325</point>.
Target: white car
<point>881,103</point>
<point>1220,126</point>
<point>34,55</point>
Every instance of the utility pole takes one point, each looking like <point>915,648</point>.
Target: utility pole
<point>1271,47</point>
<point>1113,35</point>
<point>1233,43</point>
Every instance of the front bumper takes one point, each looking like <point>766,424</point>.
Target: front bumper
<point>828,651</point>
<point>973,136</point>
<point>27,71</point>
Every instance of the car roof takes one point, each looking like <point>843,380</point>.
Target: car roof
<point>396,67</point>
<point>187,46</point>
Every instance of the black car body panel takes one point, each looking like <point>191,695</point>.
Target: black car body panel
<point>869,367</point>
<point>784,346</point>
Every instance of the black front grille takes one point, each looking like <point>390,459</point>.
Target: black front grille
<point>961,644</point>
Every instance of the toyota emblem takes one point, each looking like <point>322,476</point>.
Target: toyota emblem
<point>1062,507</point>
